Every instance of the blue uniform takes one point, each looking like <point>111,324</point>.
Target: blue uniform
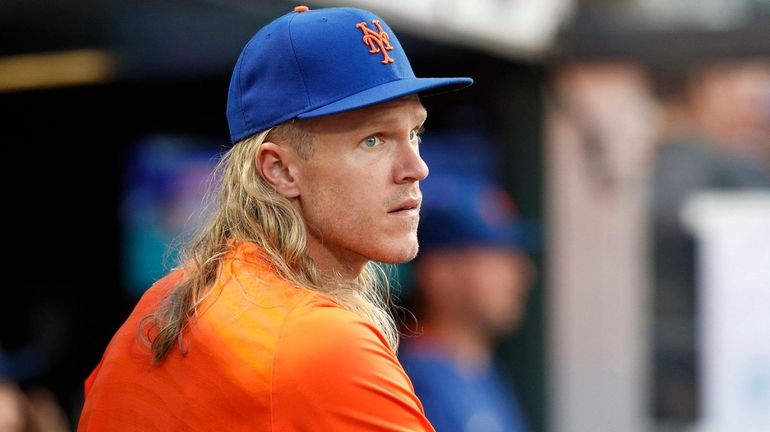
<point>456,400</point>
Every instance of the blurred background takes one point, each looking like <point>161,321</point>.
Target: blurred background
<point>631,136</point>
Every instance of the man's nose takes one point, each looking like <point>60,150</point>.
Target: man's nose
<point>411,167</point>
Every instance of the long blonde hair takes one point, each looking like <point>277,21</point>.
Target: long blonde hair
<point>242,206</point>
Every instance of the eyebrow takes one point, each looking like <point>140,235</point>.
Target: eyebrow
<point>388,118</point>
<point>423,115</point>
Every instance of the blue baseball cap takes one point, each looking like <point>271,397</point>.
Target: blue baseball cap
<point>462,212</point>
<point>311,63</point>
<point>463,206</point>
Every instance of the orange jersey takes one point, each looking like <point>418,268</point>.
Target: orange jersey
<point>262,355</point>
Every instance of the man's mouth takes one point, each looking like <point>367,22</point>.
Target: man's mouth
<point>409,206</point>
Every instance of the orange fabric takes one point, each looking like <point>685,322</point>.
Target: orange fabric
<point>262,355</point>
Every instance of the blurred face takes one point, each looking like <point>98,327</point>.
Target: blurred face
<point>12,408</point>
<point>495,285</point>
<point>485,288</point>
<point>360,192</point>
<point>730,102</point>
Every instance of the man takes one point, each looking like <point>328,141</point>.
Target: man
<point>717,138</point>
<point>472,279</point>
<point>275,319</point>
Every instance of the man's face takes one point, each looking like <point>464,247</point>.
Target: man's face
<point>494,285</point>
<point>359,191</point>
<point>477,287</point>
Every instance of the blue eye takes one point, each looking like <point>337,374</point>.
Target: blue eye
<point>371,141</point>
<point>414,136</point>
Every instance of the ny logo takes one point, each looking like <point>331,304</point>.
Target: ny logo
<point>378,42</point>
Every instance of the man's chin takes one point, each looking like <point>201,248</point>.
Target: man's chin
<point>397,256</point>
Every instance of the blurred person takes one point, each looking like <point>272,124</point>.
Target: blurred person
<point>276,318</point>
<point>716,136</point>
<point>13,408</point>
<point>31,410</point>
<point>728,105</point>
<point>35,411</point>
<point>472,280</point>
<point>716,132</point>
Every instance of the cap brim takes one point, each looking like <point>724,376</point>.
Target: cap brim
<point>389,91</point>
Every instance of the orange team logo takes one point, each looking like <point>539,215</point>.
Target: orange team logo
<point>378,42</point>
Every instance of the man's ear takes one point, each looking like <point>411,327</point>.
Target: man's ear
<point>276,165</point>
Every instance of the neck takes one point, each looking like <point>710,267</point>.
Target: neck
<point>335,261</point>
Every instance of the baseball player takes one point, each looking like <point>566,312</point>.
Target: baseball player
<point>275,319</point>
<point>473,278</point>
